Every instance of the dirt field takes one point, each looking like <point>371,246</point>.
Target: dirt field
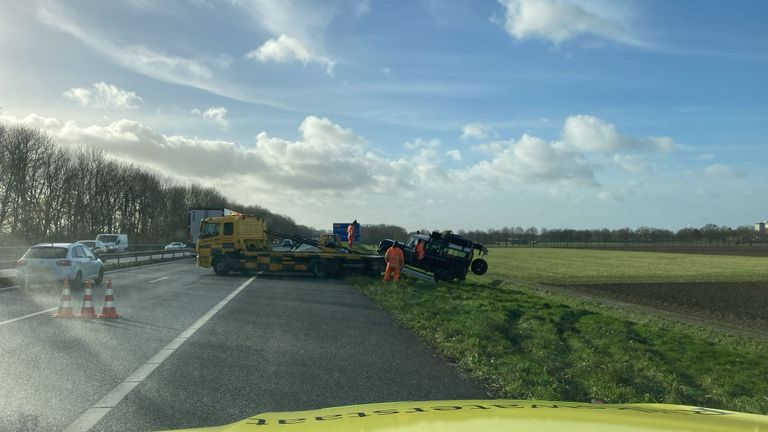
<point>752,251</point>
<point>744,304</point>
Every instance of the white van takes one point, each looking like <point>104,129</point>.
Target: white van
<point>114,242</point>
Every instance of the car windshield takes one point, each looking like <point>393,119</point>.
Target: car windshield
<point>47,252</point>
<point>469,204</point>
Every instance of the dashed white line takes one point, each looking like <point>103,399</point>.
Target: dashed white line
<point>95,413</point>
<point>158,280</point>
<point>27,316</point>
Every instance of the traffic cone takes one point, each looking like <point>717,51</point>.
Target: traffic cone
<point>109,310</point>
<point>65,309</point>
<point>87,310</point>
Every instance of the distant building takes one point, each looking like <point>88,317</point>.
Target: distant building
<point>760,227</point>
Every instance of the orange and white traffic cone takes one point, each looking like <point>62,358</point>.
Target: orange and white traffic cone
<point>87,310</point>
<point>65,308</point>
<point>109,310</point>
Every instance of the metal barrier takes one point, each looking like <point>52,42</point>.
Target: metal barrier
<point>117,259</point>
<point>111,259</point>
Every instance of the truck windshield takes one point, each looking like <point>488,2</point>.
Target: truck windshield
<point>107,238</point>
<point>209,230</point>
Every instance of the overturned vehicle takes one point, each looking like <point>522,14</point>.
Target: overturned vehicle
<point>447,256</point>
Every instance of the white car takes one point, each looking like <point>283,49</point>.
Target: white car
<point>48,263</point>
<point>96,246</point>
<point>175,245</point>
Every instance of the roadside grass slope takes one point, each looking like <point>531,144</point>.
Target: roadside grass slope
<point>523,344</point>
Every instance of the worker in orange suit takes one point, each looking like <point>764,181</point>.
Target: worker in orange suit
<point>419,250</point>
<point>351,233</point>
<point>395,259</point>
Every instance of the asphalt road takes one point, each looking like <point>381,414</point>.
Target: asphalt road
<point>193,349</point>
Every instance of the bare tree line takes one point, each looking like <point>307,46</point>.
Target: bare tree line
<point>709,234</point>
<point>50,193</point>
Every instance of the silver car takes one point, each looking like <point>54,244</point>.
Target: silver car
<point>175,245</point>
<point>51,263</point>
<point>96,246</point>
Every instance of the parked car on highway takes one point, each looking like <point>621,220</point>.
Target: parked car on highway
<point>51,263</point>
<point>175,245</point>
<point>96,246</point>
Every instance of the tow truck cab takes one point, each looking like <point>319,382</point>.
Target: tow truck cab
<point>448,256</point>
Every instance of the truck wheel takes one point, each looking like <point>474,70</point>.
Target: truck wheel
<point>220,267</point>
<point>442,275</point>
<point>479,266</point>
<point>319,268</point>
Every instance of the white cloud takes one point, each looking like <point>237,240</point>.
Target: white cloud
<point>420,143</point>
<point>103,95</point>
<point>477,131</point>
<point>362,8</point>
<point>561,20</point>
<point>591,134</point>
<point>286,49</point>
<point>197,73</point>
<point>617,195</point>
<point>722,171</point>
<point>631,163</point>
<point>534,160</point>
<point>333,160</point>
<point>216,115</point>
<point>298,30</point>
<point>454,154</point>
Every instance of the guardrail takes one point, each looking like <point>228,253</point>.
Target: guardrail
<point>117,259</point>
<point>112,259</point>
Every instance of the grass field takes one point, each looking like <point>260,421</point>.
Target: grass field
<point>580,266</point>
<point>522,344</point>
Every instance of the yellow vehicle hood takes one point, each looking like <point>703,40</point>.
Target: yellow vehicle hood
<point>500,415</point>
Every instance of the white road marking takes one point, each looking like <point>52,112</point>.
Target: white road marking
<point>9,288</point>
<point>158,280</point>
<point>95,413</point>
<point>28,316</point>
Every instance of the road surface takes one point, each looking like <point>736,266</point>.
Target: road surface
<point>193,349</point>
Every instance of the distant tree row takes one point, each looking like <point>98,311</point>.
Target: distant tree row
<point>373,234</point>
<point>708,234</point>
<point>49,193</point>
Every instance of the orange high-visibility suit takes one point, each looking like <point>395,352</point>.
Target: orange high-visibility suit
<point>350,234</point>
<point>395,259</point>
<point>419,250</point>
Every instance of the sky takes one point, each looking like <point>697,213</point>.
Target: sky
<point>438,114</point>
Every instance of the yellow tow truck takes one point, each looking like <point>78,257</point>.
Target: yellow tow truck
<point>240,243</point>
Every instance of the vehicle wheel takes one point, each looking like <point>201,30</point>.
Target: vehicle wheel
<point>442,275</point>
<point>220,267</point>
<point>100,278</point>
<point>77,284</point>
<point>479,266</point>
<point>319,268</point>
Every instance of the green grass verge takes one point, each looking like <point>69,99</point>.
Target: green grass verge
<point>579,266</point>
<point>523,345</point>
